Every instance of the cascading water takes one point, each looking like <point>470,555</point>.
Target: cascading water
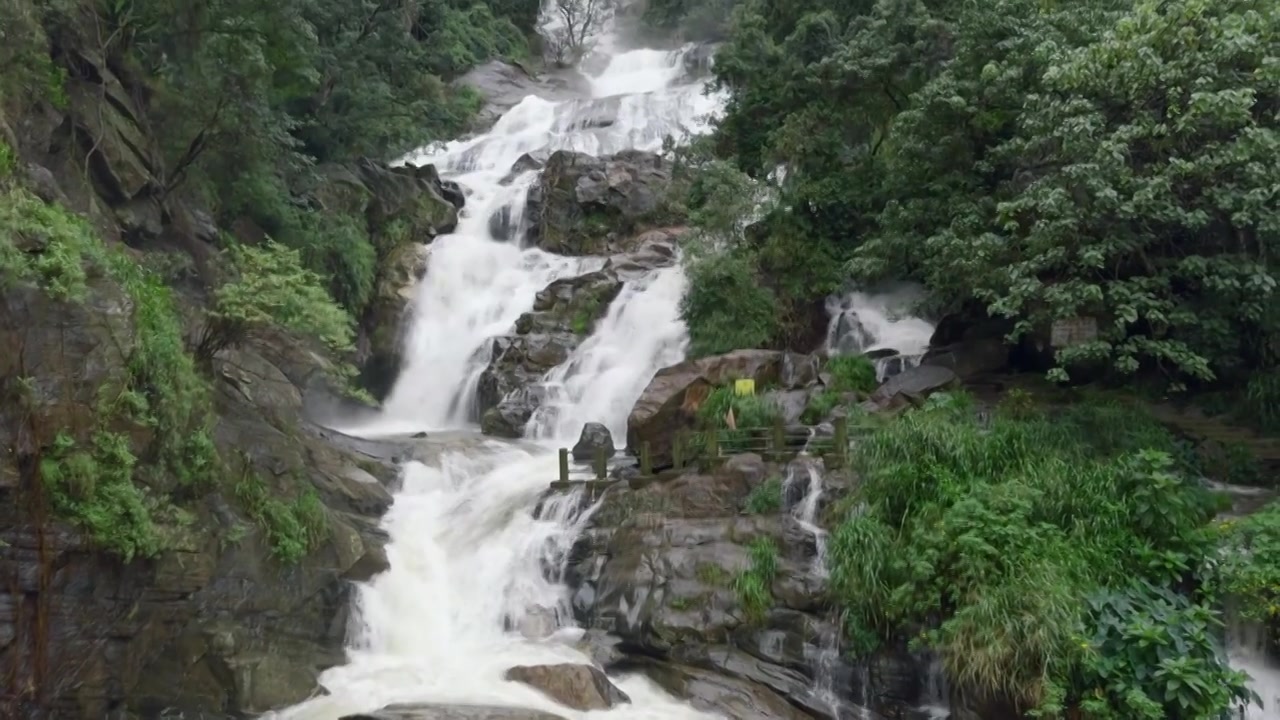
<point>880,325</point>
<point>1247,645</point>
<point>468,595</point>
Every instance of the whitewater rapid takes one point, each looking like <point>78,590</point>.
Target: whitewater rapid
<point>473,587</point>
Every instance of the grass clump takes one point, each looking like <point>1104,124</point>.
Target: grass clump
<point>851,373</point>
<point>93,487</point>
<point>292,528</point>
<point>754,585</point>
<point>752,416</point>
<point>765,498</point>
<point>1015,542</point>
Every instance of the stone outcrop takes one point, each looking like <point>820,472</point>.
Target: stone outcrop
<point>563,315</point>
<point>404,209</point>
<point>215,620</point>
<point>580,687</point>
<point>653,580</point>
<point>504,84</point>
<point>582,203</point>
<point>671,400</point>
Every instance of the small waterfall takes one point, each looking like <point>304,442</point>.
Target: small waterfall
<point>607,373</point>
<point>881,326</point>
<point>802,488</point>
<point>804,481</point>
<point>1247,648</point>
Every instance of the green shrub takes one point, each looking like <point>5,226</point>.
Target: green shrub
<point>726,307</point>
<point>852,373</point>
<point>754,585</point>
<point>271,287</point>
<point>292,529</point>
<point>994,536</point>
<point>819,406</point>
<point>752,417</point>
<point>1151,654</point>
<point>93,488</point>
<point>1249,570</point>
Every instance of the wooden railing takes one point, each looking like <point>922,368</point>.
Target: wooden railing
<point>706,449</point>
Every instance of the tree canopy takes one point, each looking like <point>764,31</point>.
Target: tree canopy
<point>1050,160</point>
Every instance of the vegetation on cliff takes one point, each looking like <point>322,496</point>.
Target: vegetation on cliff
<point>147,439</point>
<point>243,109</point>
<point>1055,559</point>
<point>247,102</point>
<point>1099,159</point>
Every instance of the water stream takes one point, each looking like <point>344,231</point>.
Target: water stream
<point>468,554</point>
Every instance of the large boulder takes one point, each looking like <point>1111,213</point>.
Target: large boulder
<point>671,400</point>
<point>580,687</point>
<point>581,202</point>
<point>646,252</point>
<point>509,389</point>
<point>595,438</point>
<point>504,84</point>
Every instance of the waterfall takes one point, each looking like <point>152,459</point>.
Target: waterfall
<point>474,582</point>
<point>880,325</point>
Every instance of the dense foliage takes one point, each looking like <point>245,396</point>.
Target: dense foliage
<point>147,440</point>
<point>1051,559</point>
<point>1076,159</point>
<point>248,103</point>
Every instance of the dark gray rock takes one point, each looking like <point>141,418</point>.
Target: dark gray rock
<point>595,437</point>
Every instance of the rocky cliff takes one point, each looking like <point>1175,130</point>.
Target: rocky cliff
<point>174,535</point>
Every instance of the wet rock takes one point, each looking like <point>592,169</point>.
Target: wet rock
<point>580,201</point>
<point>595,437</point>
<point>580,687</point>
<point>915,384</point>
<point>563,315</point>
<point>214,620</point>
<point>571,306</point>
<point>651,250</point>
<point>503,85</point>
<point>452,712</point>
<point>671,400</point>
<point>388,316</point>
<point>507,419</point>
<point>403,209</point>
<point>712,692</point>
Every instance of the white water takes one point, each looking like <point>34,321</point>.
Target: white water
<point>1246,647</point>
<point>861,322</point>
<point>474,584</point>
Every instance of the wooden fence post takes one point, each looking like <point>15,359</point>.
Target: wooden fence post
<point>779,440</point>
<point>646,460</point>
<point>677,451</point>
<point>713,447</point>
<point>564,465</point>
<point>602,464</point>
<point>842,441</point>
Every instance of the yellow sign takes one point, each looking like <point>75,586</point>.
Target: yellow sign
<point>744,387</point>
